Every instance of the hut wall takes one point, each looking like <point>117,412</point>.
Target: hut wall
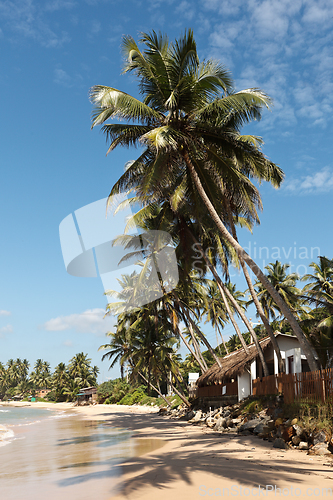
<point>244,385</point>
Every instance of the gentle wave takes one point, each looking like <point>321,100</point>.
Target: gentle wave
<point>28,423</point>
<point>4,411</point>
<point>6,435</point>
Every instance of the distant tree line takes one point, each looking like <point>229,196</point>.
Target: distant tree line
<point>64,383</point>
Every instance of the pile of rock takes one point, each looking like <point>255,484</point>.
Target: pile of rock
<point>267,424</point>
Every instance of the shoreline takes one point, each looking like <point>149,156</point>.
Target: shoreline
<point>197,462</point>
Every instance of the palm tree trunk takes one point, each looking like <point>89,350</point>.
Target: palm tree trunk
<point>225,345</point>
<point>224,290</point>
<point>231,316</point>
<point>199,360</point>
<point>217,341</point>
<point>195,343</point>
<point>155,389</point>
<point>200,334</point>
<point>254,295</point>
<point>203,367</point>
<point>183,398</point>
<point>311,356</point>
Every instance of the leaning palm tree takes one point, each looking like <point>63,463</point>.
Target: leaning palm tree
<point>189,123</point>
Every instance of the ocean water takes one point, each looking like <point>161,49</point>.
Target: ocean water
<point>52,455</point>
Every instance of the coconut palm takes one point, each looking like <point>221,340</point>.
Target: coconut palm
<point>189,123</point>
<point>285,285</point>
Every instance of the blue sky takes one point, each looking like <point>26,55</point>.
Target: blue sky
<point>52,164</point>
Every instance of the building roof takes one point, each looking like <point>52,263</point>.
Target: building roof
<point>87,390</point>
<point>233,364</point>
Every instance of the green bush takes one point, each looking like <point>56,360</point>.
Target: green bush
<point>51,396</point>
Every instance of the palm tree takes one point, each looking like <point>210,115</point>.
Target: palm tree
<point>189,123</point>
<point>319,292</point>
<point>60,380</point>
<point>321,281</point>
<point>285,285</point>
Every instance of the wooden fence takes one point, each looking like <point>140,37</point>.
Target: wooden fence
<point>229,389</point>
<point>310,387</point>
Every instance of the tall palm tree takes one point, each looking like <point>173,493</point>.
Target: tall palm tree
<point>189,123</point>
<point>285,285</point>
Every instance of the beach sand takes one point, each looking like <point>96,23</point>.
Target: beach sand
<point>196,462</point>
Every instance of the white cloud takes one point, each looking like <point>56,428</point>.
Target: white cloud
<point>6,329</point>
<point>62,78</point>
<point>27,19</point>
<point>68,343</point>
<point>186,10</point>
<point>319,182</point>
<point>58,5</point>
<point>5,313</point>
<point>90,321</point>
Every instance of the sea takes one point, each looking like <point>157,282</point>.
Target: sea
<point>48,454</point>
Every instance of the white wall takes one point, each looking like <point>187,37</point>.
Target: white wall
<point>244,385</point>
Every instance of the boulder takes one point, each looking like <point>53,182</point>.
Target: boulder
<point>264,427</point>
<point>298,430</point>
<point>189,415</point>
<point>279,443</point>
<point>319,449</point>
<point>296,440</point>
<point>303,445</point>
<point>278,422</point>
<point>221,423</point>
<point>229,422</point>
<point>250,425</point>
<point>197,416</point>
<point>288,433</point>
<point>319,437</point>
<point>330,445</point>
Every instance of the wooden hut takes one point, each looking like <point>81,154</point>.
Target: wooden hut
<point>240,369</point>
<point>87,395</point>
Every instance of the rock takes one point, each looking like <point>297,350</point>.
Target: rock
<point>278,422</point>
<point>277,412</point>
<point>319,449</point>
<point>294,421</point>
<point>189,415</point>
<point>197,416</point>
<point>319,437</point>
<point>249,426</point>
<point>237,420</point>
<point>299,430</point>
<point>220,424</point>
<point>210,422</point>
<point>279,443</point>
<point>296,440</point>
<point>288,433</point>
<point>229,422</point>
<point>280,431</point>
<point>264,427</point>
<point>259,429</point>
<point>330,445</point>
<point>263,413</point>
<point>303,445</point>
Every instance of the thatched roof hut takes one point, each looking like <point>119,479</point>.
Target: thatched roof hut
<point>233,364</point>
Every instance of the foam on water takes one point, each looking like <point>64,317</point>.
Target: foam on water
<point>6,435</point>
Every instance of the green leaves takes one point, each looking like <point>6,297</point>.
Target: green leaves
<point>112,103</point>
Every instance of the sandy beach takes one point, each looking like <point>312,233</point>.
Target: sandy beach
<point>197,462</point>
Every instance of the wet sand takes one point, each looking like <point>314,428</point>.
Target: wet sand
<point>196,462</point>
<point>67,457</point>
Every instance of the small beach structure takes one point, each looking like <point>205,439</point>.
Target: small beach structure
<point>240,370</point>
<point>87,395</point>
